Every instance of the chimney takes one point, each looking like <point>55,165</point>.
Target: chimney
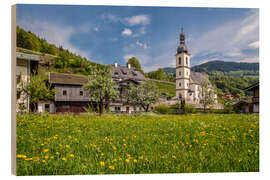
<point>115,64</point>
<point>129,66</point>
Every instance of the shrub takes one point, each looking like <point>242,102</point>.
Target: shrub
<point>189,108</point>
<point>163,109</point>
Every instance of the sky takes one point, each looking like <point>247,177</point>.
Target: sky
<point>108,34</point>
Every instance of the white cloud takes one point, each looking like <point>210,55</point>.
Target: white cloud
<point>138,20</point>
<point>55,33</point>
<point>143,45</point>
<point>254,45</point>
<point>230,40</point>
<point>126,32</point>
<point>140,31</point>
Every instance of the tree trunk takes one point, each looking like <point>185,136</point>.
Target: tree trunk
<point>100,109</point>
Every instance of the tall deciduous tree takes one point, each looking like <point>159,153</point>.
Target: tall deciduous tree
<point>207,94</point>
<point>101,87</point>
<point>134,62</point>
<point>36,89</point>
<point>142,95</point>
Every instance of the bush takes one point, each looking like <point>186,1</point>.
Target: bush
<point>189,108</point>
<point>163,109</point>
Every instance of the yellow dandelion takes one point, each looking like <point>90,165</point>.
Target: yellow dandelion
<point>120,159</point>
<point>135,161</point>
<point>29,159</point>
<point>102,163</point>
<point>52,157</point>
<point>69,137</point>
<point>249,150</point>
<point>71,155</point>
<point>101,154</point>
<point>46,150</point>
<point>127,160</point>
<point>21,156</point>
<point>111,167</point>
<point>64,159</point>
<point>124,145</point>
<point>46,157</point>
<point>174,157</point>
<point>57,153</point>
<point>42,144</point>
<point>43,161</point>
<point>67,146</point>
<point>239,160</point>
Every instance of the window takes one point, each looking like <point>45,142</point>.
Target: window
<point>179,73</point>
<point>187,73</point>
<point>187,61</point>
<point>115,73</point>
<point>64,92</point>
<point>117,108</point>
<point>47,107</point>
<point>179,84</point>
<point>179,60</point>
<point>18,77</point>
<point>187,84</point>
<point>190,94</point>
<point>81,93</point>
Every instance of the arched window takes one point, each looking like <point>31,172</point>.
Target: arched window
<point>187,61</point>
<point>179,60</point>
<point>179,73</point>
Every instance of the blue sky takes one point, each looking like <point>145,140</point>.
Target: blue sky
<point>106,34</point>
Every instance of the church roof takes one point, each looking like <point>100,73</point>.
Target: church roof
<point>198,77</point>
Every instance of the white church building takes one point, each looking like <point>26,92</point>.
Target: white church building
<point>188,82</point>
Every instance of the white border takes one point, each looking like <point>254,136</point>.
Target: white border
<point>264,83</point>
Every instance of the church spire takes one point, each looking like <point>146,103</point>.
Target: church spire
<point>182,47</point>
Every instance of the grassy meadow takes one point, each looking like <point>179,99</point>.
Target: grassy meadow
<point>120,144</point>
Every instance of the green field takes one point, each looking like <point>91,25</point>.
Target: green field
<point>88,144</point>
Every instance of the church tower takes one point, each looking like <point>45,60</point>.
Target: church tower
<point>182,69</point>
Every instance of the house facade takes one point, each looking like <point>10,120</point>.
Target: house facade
<point>188,83</point>
<point>254,104</point>
<point>26,65</point>
<point>70,96</point>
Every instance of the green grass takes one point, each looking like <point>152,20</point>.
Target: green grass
<point>165,88</point>
<point>88,144</point>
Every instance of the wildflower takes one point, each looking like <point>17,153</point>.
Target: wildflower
<point>69,137</point>
<point>239,160</point>
<point>101,154</point>
<point>64,159</point>
<point>57,153</point>
<point>29,159</point>
<point>46,157</point>
<point>120,159</point>
<point>174,157</point>
<point>21,156</point>
<point>190,146</point>
<point>125,145</point>
<point>67,146</point>
<point>52,157</point>
<point>84,166</point>
<point>135,161</point>
<point>111,167</point>
<point>46,150</point>
<point>127,160</point>
<point>43,161</point>
<point>102,163</point>
<point>249,150</point>
<point>71,155</point>
<point>42,144</point>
